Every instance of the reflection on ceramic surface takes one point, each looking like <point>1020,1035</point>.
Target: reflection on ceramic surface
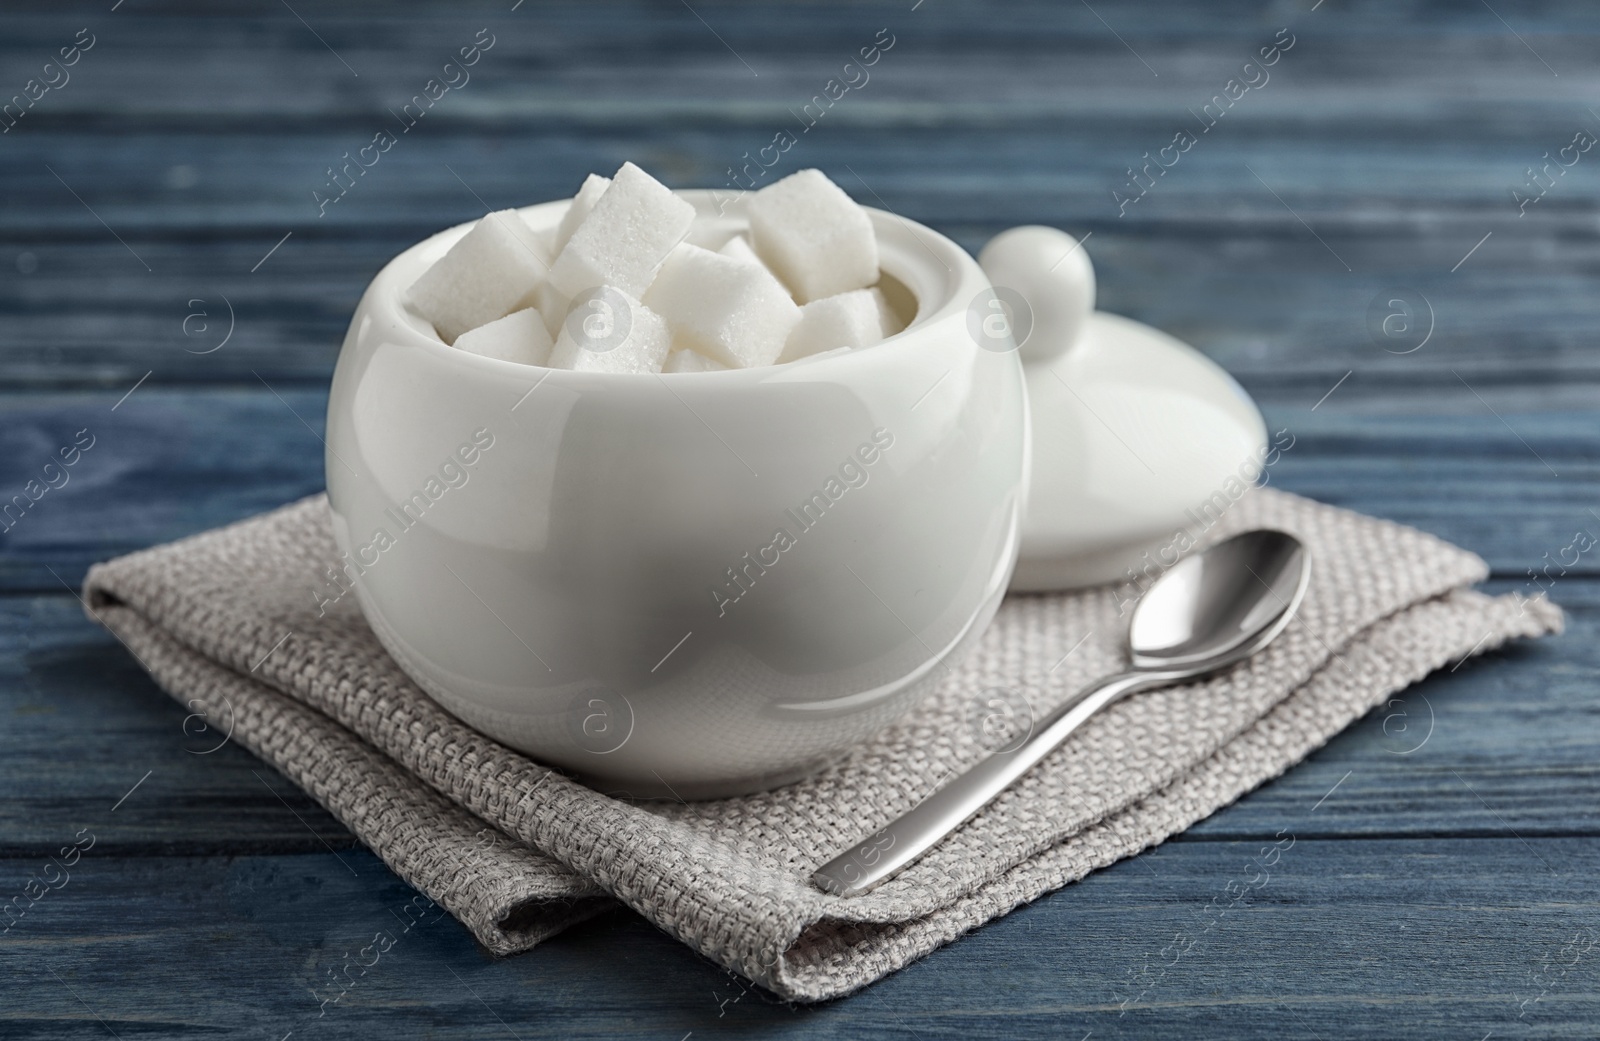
<point>1136,436</point>
<point>691,584</point>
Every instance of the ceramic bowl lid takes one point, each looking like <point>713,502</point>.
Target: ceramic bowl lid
<point>1137,437</point>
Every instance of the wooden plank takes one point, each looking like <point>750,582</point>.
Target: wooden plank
<point>1510,487</point>
<point>1255,300</point>
<point>68,685</point>
<point>1494,747</point>
<point>168,463</point>
<point>1044,98</point>
<point>577,54</point>
<point>158,463</point>
<point>1401,169</point>
<point>1343,178</point>
<point>1387,938</point>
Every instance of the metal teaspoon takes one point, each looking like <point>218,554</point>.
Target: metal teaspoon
<point>1209,611</point>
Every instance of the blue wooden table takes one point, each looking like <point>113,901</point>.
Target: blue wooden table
<point>180,250</point>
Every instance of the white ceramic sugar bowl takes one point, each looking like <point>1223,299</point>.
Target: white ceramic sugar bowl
<point>691,584</point>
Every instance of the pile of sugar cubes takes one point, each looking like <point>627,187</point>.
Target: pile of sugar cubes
<point>630,281</point>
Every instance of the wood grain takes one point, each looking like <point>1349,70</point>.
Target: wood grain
<point>1441,889</point>
<point>1385,938</point>
<point>170,462</point>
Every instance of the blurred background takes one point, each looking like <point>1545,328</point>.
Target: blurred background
<point>148,196</point>
<point>1381,218</point>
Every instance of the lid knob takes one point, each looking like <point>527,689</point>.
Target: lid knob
<point>1051,271</point>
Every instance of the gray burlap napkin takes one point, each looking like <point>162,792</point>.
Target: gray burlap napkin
<point>229,619</point>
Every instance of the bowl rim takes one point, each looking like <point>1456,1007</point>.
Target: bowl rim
<point>940,276</point>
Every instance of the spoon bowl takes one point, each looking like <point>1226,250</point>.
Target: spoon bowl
<point>1220,606</point>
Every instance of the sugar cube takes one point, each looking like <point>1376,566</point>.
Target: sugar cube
<point>850,319</point>
<point>482,276</point>
<point>520,336</point>
<point>813,236</point>
<point>609,331</point>
<point>593,187</point>
<point>629,232</point>
<point>688,360</point>
<point>551,302</point>
<point>739,248</point>
<point>733,311</point>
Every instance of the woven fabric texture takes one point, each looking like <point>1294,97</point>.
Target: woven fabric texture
<point>516,852</point>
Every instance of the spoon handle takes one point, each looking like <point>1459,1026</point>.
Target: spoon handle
<point>883,855</point>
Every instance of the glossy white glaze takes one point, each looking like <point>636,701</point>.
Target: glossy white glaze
<point>1136,435</point>
<point>560,598</point>
<point>1053,273</point>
